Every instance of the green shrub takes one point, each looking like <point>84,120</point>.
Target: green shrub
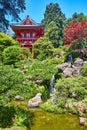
<point>68,91</point>
<point>27,89</point>
<point>25,53</point>
<point>84,70</point>
<point>23,118</point>
<point>6,116</point>
<point>15,116</point>
<point>58,52</point>
<point>73,53</point>
<point>9,79</point>
<point>74,88</point>
<point>13,82</point>
<point>39,72</point>
<point>77,46</point>
<point>66,88</point>
<point>6,41</point>
<point>43,49</point>
<point>85,100</point>
<point>73,110</point>
<point>11,54</point>
<point>42,71</point>
<point>1,50</point>
<point>48,106</point>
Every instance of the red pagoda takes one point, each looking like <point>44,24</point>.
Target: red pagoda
<point>27,32</point>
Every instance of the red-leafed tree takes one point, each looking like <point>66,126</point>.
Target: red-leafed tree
<point>76,30</point>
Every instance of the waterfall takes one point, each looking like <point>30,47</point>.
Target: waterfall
<point>52,81</point>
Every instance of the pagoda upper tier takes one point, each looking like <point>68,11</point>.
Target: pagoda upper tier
<point>27,32</point>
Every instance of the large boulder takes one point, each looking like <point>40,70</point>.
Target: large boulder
<point>78,62</point>
<point>68,72</point>
<point>35,101</point>
<point>62,66</point>
<point>76,70</point>
<point>83,121</point>
<point>80,106</point>
<point>85,62</point>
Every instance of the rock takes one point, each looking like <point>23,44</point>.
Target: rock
<point>62,66</point>
<point>83,121</point>
<point>35,101</point>
<point>29,77</point>
<point>68,72</point>
<point>70,69</point>
<point>80,106</point>
<point>85,110</point>
<point>78,62</point>
<point>76,70</point>
<point>53,100</point>
<point>85,62</point>
<point>70,105</point>
<point>18,97</point>
<point>38,81</point>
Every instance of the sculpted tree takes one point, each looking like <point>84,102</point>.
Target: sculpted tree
<point>10,8</point>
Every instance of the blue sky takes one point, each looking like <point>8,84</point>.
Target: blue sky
<point>36,8</point>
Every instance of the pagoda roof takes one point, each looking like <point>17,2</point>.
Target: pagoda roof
<point>28,22</point>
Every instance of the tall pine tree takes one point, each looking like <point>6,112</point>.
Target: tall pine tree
<point>52,32</point>
<point>54,14</point>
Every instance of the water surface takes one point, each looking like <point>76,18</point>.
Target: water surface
<point>49,121</point>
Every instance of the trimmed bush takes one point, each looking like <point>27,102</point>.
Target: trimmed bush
<point>84,70</point>
<point>43,48</point>
<point>11,54</point>
<point>6,41</point>
<point>15,116</point>
<point>25,53</point>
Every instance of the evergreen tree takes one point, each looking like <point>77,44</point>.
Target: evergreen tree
<point>76,18</point>
<point>10,8</point>
<point>52,32</point>
<point>53,13</point>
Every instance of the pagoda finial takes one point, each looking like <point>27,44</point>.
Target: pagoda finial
<point>27,16</point>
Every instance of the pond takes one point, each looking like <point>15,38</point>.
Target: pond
<point>48,121</point>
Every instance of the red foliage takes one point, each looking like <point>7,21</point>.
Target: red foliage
<point>76,30</point>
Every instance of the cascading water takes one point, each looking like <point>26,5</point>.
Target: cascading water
<point>52,89</point>
<point>52,81</point>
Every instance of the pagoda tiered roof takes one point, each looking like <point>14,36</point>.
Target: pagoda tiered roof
<point>27,32</point>
<point>28,22</point>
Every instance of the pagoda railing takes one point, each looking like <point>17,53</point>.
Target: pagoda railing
<point>26,39</point>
